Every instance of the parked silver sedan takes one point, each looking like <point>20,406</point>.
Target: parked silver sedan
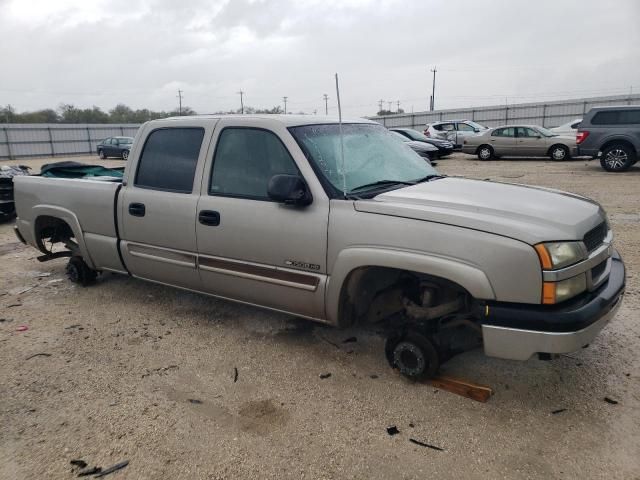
<point>520,141</point>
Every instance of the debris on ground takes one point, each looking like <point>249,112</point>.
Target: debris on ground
<point>195,401</point>
<point>324,375</point>
<point>72,326</point>
<point>14,305</point>
<point>422,444</point>
<point>560,410</point>
<point>411,425</point>
<point>610,400</point>
<point>393,430</point>
<point>235,374</point>
<point>350,340</point>
<point>22,328</point>
<point>374,376</point>
<point>113,468</point>
<point>474,391</point>
<point>90,471</point>
<point>25,290</point>
<point>38,355</point>
<point>78,463</point>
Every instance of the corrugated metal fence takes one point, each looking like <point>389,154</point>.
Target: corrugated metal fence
<point>44,139</point>
<point>547,114</point>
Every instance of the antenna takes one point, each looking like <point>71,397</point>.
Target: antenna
<point>344,177</point>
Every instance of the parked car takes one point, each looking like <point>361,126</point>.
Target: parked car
<point>425,150</point>
<point>611,134</point>
<point>454,131</point>
<point>569,128</point>
<point>115,147</point>
<point>520,141</point>
<point>444,147</point>
<point>343,225</point>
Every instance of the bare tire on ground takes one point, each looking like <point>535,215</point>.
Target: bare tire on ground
<point>413,355</point>
<point>617,158</point>
<point>559,153</point>
<point>485,152</point>
<point>101,154</point>
<point>79,272</point>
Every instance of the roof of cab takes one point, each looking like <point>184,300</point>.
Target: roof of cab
<point>286,120</point>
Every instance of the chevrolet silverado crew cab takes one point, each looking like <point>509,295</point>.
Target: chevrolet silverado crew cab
<point>341,224</point>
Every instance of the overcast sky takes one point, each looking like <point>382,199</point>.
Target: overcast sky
<point>104,52</point>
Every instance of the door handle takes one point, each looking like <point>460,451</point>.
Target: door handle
<point>137,209</point>
<point>209,217</point>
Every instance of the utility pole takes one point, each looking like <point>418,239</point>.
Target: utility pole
<point>285,104</point>
<point>433,89</point>
<point>179,102</point>
<point>241,93</point>
<point>398,104</point>
<point>326,104</point>
<point>380,103</point>
<point>389,105</point>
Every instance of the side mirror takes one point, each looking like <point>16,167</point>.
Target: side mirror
<point>289,189</point>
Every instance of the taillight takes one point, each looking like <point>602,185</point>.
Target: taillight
<point>581,136</point>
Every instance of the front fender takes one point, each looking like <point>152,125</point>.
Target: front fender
<point>70,218</point>
<point>469,277</point>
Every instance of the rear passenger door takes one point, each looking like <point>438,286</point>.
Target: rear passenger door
<point>251,248</point>
<point>503,141</point>
<point>529,142</point>
<point>448,132</point>
<point>463,131</point>
<point>158,205</point>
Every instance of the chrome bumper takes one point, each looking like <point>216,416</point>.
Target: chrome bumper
<point>516,344</point>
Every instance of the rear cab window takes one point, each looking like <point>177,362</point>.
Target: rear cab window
<point>616,117</point>
<point>169,158</point>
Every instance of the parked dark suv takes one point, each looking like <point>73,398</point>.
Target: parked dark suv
<point>611,134</point>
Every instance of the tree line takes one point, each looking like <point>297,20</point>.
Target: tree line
<point>68,113</point>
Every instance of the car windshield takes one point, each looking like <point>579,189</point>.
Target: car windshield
<point>372,156</point>
<point>417,135</point>
<point>546,133</point>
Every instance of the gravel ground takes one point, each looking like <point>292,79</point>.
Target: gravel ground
<point>135,371</point>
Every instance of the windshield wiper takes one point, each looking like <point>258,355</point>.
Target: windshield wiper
<point>428,178</point>
<point>381,183</point>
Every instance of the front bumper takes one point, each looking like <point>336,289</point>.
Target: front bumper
<point>517,332</point>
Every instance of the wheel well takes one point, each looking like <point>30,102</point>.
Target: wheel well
<point>626,143</point>
<point>53,230</point>
<point>483,145</point>
<point>371,294</point>
<point>557,145</point>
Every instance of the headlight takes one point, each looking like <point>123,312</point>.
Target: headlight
<point>556,292</point>
<point>554,255</point>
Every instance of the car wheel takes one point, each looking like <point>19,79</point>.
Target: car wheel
<point>413,355</point>
<point>101,154</point>
<point>485,152</point>
<point>79,272</point>
<point>125,154</point>
<point>617,158</point>
<point>559,153</point>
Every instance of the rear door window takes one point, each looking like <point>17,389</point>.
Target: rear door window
<point>463,127</point>
<point>447,127</point>
<point>504,132</point>
<point>169,158</point>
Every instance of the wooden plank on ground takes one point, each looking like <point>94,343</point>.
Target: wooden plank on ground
<point>480,393</point>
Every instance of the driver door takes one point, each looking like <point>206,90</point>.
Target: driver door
<point>251,248</point>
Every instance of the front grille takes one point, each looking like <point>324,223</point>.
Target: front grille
<point>598,270</point>
<point>594,237</point>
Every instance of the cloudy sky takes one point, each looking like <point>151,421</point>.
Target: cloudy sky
<point>104,52</point>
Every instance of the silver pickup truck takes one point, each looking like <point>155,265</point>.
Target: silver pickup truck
<point>341,224</point>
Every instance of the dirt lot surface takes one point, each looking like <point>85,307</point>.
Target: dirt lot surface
<point>128,370</point>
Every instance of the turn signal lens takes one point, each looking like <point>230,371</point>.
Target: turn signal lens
<point>554,255</point>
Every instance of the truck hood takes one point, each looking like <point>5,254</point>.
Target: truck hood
<point>526,213</point>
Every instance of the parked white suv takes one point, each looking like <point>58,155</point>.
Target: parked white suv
<point>454,130</point>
